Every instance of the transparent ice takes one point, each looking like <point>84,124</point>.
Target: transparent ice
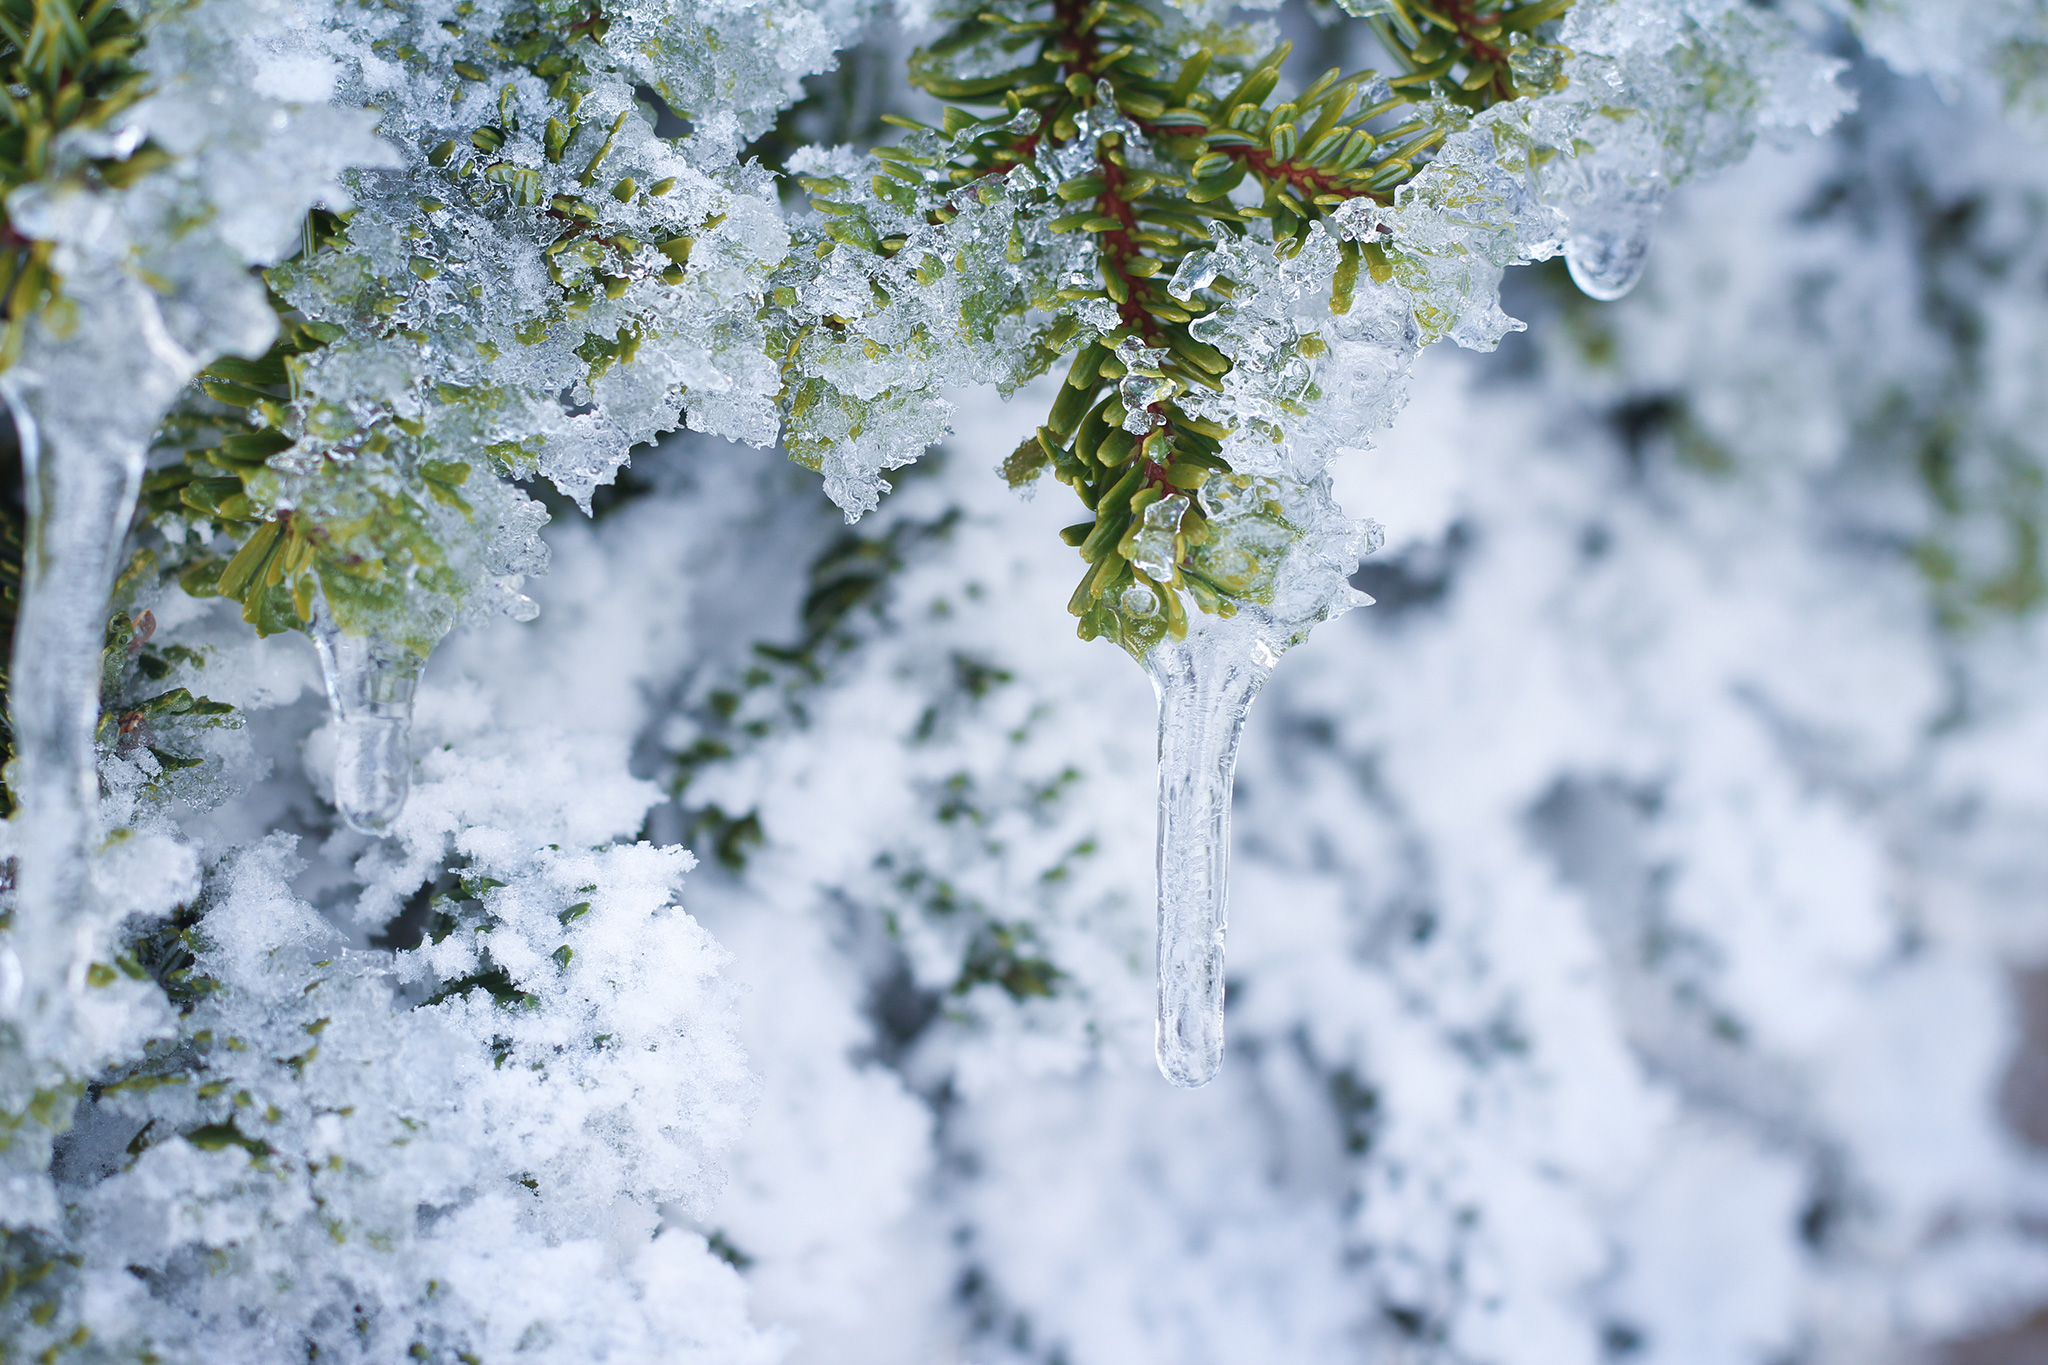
<point>370,686</point>
<point>1195,271</point>
<point>1139,392</point>
<point>82,465</point>
<point>1205,686</point>
<point>1152,545</point>
<point>1609,241</point>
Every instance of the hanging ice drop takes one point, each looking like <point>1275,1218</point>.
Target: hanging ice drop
<point>1610,239</point>
<point>1205,686</point>
<point>370,686</point>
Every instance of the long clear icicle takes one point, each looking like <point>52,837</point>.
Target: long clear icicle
<point>370,687</point>
<point>1205,685</point>
<point>85,406</point>
<point>79,504</point>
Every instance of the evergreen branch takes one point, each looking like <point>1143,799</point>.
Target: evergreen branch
<point>1165,175</point>
<point>64,65</point>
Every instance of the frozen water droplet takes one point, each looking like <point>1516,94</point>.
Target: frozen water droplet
<point>1610,240</point>
<point>1535,66</point>
<point>1073,157</point>
<point>1100,314</point>
<point>1136,355</point>
<point>1139,600</point>
<point>1143,384</point>
<point>1196,270</point>
<point>1205,685</point>
<point>370,686</point>
<point>1024,124</point>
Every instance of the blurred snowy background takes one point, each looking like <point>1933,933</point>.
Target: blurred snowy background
<point>1639,938</point>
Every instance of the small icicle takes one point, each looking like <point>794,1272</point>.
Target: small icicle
<point>1205,686</point>
<point>370,686</point>
<point>1610,240</point>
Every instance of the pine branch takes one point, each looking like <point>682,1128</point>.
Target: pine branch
<point>64,65</point>
<point>1148,169</point>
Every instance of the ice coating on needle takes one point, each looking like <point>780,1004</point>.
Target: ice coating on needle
<point>1152,545</point>
<point>370,685</point>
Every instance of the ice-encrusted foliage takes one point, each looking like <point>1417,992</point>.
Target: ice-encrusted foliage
<point>271,1088</point>
<point>1631,894</point>
<point>542,285</point>
<point>1122,185</point>
<point>352,478</point>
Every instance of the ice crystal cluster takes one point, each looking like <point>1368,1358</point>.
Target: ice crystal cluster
<point>347,1005</point>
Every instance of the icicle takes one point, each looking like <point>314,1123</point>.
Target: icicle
<point>370,686</point>
<point>80,499</point>
<point>1205,686</point>
<point>85,404</point>
<point>1610,239</point>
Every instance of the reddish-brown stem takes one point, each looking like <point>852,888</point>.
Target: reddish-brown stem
<point>1479,50</point>
<point>1307,179</point>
